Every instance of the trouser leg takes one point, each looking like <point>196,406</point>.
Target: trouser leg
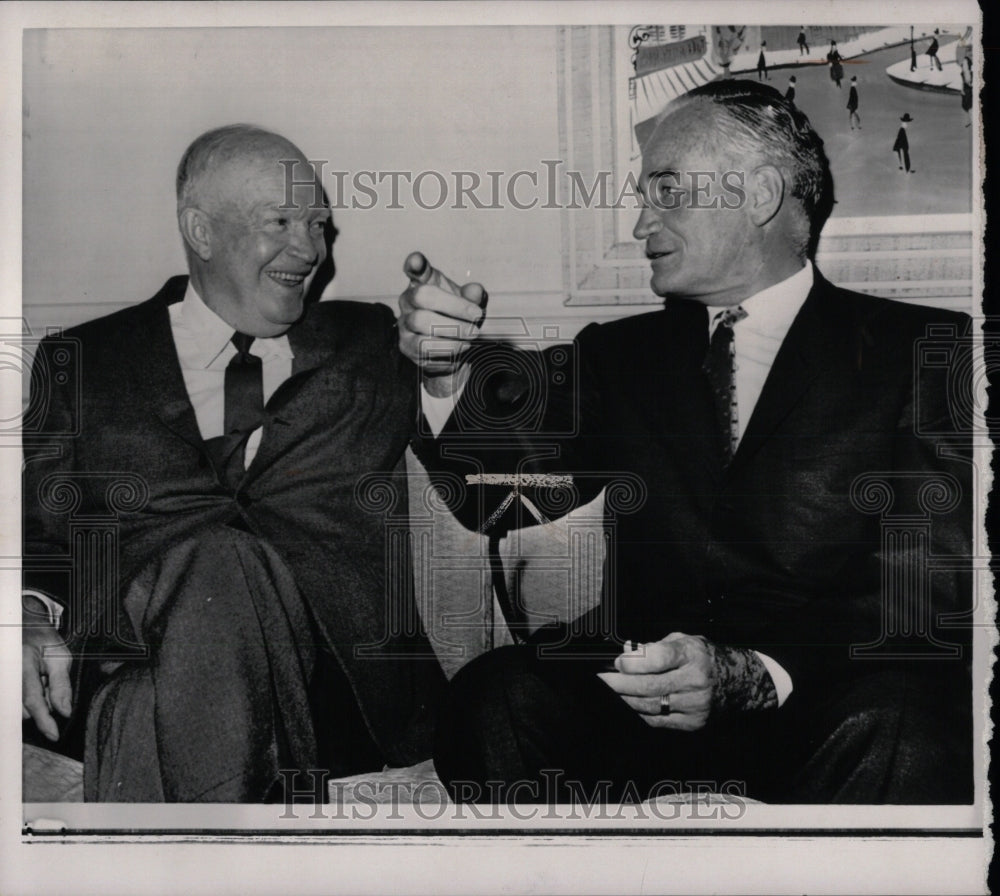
<point>220,706</point>
<point>518,729</point>
<point>899,735</point>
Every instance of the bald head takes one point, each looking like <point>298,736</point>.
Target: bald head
<point>213,157</point>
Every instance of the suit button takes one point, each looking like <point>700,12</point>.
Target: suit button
<point>244,500</point>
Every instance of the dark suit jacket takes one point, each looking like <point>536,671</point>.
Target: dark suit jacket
<point>122,415</point>
<point>785,551</point>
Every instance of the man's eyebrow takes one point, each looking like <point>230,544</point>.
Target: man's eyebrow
<point>275,207</point>
<point>646,177</point>
<point>661,173</point>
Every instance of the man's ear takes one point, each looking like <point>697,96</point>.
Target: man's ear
<point>766,193</point>
<point>197,232</point>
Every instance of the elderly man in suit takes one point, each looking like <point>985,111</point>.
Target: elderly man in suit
<point>763,626</point>
<point>243,625</point>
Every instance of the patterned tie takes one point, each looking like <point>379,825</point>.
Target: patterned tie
<point>720,368</point>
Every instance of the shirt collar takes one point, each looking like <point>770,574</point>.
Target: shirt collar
<point>211,334</point>
<point>771,311</point>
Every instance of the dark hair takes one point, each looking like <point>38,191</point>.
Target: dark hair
<point>216,147</point>
<point>758,121</point>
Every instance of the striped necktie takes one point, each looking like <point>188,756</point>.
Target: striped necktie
<point>720,368</point>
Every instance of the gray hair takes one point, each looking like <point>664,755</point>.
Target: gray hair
<point>217,147</point>
<point>760,123</point>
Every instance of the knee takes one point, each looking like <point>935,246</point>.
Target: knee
<point>519,686</point>
<point>218,555</point>
<point>221,544</point>
<point>908,757</point>
<point>204,583</point>
<point>899,738</point>
<point>882,710</point>
<point>482,708</point>
<point>485,684</point>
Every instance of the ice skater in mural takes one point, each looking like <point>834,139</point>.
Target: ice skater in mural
<point>965,67</point>
<point>932,51</point>
<point>852,105</point>
<point>745,633</point>
<point>833,58</point>
<point>902,145</point>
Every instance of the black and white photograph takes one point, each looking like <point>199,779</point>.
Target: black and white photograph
<point>459,447</point>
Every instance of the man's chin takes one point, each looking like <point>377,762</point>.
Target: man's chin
<point>281,318</point>
<point>659,286</point>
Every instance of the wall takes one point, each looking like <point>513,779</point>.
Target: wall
<point>107,114</point>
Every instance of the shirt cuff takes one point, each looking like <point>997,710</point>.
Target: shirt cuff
<point>54,607</point>
<point>437,410</point>
<point>782,680</point>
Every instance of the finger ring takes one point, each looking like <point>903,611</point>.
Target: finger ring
<point>665,705</point>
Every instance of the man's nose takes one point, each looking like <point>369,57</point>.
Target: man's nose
<point>648,224</point>
<point>305,244</point>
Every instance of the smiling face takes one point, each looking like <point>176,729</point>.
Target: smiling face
<point>695,220</point>
<point>262,245</point>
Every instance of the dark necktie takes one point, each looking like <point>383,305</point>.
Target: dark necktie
<point>720,368</point>
<point>243,409</point>
<point>244,395</point>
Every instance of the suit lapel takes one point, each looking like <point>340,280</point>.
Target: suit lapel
<point>680,396</point>
<point>310,356</point>
<point>313,352</point>
<point>156,352</point>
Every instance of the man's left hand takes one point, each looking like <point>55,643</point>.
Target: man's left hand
<point>698,679</point>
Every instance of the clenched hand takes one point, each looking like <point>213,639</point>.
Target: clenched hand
<point>698,679</point>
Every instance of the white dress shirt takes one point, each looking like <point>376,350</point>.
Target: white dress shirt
<point>756,340</point>
<point>202,340</point>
